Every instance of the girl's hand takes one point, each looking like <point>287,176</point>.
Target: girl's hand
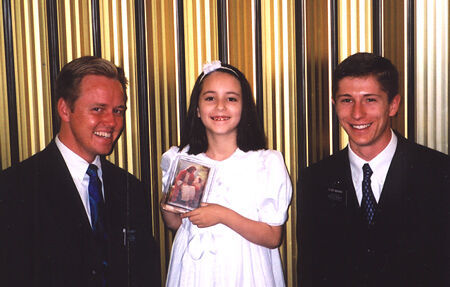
<point>208,214</point>
<point>171,219</point>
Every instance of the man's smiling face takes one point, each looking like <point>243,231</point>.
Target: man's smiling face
<point>96,120</point>
<point>365,112</point>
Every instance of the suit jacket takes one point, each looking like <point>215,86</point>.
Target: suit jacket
<point>409,243</point>
<point>46,238</point>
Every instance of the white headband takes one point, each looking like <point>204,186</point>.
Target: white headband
<point>208,68</point>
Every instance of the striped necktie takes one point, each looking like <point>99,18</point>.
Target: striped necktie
<point>368,202</point>
<point>97,206</point>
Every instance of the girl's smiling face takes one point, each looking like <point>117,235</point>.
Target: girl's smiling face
<point>220,104</point>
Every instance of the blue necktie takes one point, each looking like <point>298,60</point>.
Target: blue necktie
<point>97,206</point>
<point>368,202</point>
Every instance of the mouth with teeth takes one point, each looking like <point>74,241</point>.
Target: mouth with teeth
<point>107,135</point>
<point>220,118</point>
<point>361,127</point>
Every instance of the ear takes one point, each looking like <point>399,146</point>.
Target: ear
<point>63,110</point>
<point>198,112</point>
<point>394,105</point>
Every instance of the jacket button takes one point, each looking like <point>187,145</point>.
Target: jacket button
<point>94,272</point>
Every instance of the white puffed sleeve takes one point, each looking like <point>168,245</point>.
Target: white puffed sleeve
<point>275,187</point>
<point>167,160</point>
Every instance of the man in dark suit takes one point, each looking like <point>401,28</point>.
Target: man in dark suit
<point>377,212</point>
<point>69,217</point>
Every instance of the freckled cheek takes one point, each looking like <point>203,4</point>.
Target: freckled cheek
<point>342,113</point>
<point>119,123</point>
<point>92,120</point>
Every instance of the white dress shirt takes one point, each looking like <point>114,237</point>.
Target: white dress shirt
<point>379,165</point>
<point>77,167</point>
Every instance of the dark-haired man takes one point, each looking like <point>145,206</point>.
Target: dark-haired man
<point>377,212</point>
<point>68,217</point>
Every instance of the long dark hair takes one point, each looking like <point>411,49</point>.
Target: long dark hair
<point>250,133</point>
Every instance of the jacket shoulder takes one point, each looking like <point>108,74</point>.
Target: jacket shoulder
<point>36,162</point>
<point>119,175</point>
<point>333,162</point>
<point>420,155</point>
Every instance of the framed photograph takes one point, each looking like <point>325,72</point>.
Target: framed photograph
<point>189,184</point>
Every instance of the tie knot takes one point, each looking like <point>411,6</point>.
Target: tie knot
<point>367,171</point>
<point>92,170</point>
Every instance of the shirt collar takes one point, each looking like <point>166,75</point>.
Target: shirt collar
<point>77,165</point>
<point>379,164</point>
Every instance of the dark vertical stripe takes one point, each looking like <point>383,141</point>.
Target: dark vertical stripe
<point>411,122</point>
<point>10,82</point>
<point>52,23</point>
<point>222,16</point>
<point>301,84</point>
<point>181,63</point>
<point>377,28</point>
<point>143,104</point>
<point>142,91</point>
<point>334,62</point>
<point>96,28</point>
<point>258,61</point>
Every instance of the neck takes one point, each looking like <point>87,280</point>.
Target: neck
<point>369,152</point>
<point>221,148</point>
<point>67,139</point>
<point>366,155</point>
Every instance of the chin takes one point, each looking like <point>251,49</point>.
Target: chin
<point>105,151</point>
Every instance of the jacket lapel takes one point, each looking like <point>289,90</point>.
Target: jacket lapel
<point>392,195</point>
<point>63,199</point>
<point>344,178</point>
<point>115,199</point>
<point>342,206</point>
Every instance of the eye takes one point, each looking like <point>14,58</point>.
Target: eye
<point>345,100</point>
<point>232,99</point>
<point>371,100</point>
<point>119,111</point>
<point>209,98</point>
<point>96,109</point>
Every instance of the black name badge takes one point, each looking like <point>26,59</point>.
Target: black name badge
<point>336,195</point>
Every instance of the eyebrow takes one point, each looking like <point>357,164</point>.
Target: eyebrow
<point>365,95</point>
<point>116,107</point>
<point>214,92</point>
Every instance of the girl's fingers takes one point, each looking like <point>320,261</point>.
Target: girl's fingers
<point>187,214</point>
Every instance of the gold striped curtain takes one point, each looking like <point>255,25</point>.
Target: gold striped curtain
<point>31,76</point>
<point>5,151</point>
<point>432,73</point>
<point>288,62</point>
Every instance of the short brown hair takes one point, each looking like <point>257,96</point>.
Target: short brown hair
<point>71,75</point>
<point>368,64</point>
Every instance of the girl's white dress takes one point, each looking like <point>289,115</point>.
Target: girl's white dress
<point>256,185</point>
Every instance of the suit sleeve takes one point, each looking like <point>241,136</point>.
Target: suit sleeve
<point>146,263</point>
<point>304,230</point>
<point>16,244</point>
<point>446,190</point>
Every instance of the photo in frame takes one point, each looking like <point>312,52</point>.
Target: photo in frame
<point>189,183</point>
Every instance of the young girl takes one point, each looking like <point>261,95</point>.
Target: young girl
<point>232,239</point>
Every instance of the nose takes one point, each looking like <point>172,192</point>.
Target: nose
<point>220,104</point>
<point>358,110</point>
<point>109,119</point>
